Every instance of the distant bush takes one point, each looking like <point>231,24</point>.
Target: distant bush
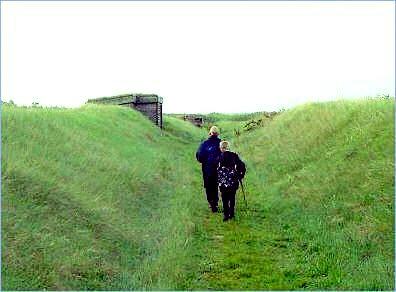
<point>384,96</point>
<point>9,103</point>
<point>253,124</point>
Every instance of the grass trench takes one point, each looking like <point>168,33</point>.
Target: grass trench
<point>98,198</point>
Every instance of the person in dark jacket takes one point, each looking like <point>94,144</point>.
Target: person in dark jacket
<point>231,170</point>
<point>208,154</point>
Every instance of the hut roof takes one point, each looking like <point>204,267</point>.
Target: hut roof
<point>127,98</point>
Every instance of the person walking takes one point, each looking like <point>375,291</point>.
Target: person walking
<point>231,170</point>
<point>208,155</point>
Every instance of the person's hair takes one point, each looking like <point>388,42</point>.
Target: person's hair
<point>214,130</point>
<point>225,145</point>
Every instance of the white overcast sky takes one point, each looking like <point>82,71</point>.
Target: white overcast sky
<point>199,56</point>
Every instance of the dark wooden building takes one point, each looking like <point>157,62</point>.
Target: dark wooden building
<point>195,119</point>
<point>148,104</point>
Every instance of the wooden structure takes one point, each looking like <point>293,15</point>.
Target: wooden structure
<point>195,119</point>
<point>148,104</point>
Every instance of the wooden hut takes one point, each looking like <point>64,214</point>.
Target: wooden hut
<point>195,119</point>
<point>148,104</point>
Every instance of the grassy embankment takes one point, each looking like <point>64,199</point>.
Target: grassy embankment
<point>320,192</point>
<point>97,198</point>
<point>84,209</point>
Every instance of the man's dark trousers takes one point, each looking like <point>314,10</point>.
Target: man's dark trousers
<point>212,193</point>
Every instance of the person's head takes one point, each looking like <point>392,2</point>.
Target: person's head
<point>214,131</point>
<point>224,146</point>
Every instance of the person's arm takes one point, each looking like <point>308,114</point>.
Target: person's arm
<point>200,155</point>
<point>218,160</point>
<point>241,167</point>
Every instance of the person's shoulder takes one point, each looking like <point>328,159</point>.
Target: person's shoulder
<point>214,141</point>
<point>235,155</point>
<point>206,141</point>
<point>214,138</point>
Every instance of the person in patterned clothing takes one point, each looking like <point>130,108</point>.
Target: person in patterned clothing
<point>230,171</point>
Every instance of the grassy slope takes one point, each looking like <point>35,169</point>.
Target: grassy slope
<point>228,123</point>
<point>96,198</point>
<point>219,117</point>
<point>79,198</point>
<point>320,187</point>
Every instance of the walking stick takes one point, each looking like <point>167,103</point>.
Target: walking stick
<point>243,192</point>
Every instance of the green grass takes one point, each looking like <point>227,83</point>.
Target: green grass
<point>228,124</point>
<point>96,198</point>
<point>320,191</point>
<point>99,198</point>
<point>220,117</point>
